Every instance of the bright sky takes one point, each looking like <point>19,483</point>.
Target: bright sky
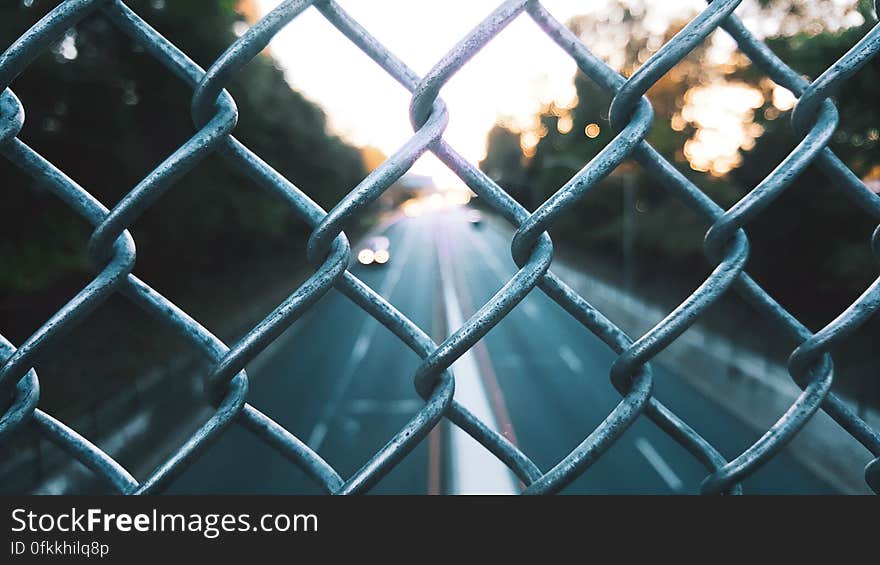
<point>511,78</point>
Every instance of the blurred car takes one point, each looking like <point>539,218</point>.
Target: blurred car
<point>475,218</point>
<point>375,251</point>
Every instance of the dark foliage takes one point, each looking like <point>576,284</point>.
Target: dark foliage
<point>105,112</point>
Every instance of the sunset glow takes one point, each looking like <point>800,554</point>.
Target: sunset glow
<point>722,114</point>
<point>516,76</point>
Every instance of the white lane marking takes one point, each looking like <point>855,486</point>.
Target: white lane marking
<point>63,481</point>
<point>504,275</point>
<point>571,359</point>
<point>360,348</point>
<point>362,406</point>
<point>574,363</point>
<point>358,351</point>
<point>319,432</point>
<point>660,465</point>
<point>474,469</point>
<point>530,309</point>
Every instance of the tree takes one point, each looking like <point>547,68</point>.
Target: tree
<point>810,249</point>
<point>105,112</point>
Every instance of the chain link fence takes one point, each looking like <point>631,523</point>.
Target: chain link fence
<point>112,250</point>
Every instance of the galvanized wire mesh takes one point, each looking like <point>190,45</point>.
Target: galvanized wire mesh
<point>214,114</point>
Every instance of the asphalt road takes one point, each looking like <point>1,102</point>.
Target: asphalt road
<point>343,383</point>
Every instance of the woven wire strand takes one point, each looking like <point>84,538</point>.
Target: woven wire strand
<point>214,114</point>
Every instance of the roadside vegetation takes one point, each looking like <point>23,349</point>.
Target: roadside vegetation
<point>725,125</point>
<point>105,112</point>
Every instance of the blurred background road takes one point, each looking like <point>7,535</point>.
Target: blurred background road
<point>104,111</point>
<point>344,383</point>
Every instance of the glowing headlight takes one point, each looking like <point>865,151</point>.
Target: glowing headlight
<point>366,256</point>
<point>381,256</point>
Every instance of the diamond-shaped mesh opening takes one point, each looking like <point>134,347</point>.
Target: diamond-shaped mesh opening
<point>617,416</point>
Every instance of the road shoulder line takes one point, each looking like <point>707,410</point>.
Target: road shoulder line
<point>475,470</point>
<point>659,464</point>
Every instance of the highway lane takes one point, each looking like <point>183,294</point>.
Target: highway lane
<point>339,381</point>
<point>554,378</point>
<point>343,383</point>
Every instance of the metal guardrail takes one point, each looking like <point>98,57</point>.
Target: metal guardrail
<point>214,113</point>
